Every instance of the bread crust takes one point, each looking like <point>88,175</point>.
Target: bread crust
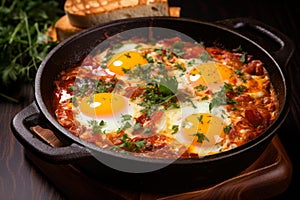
<point>91,7</point>
<point>90,13</point>
<point>64,29</point>
<point>78,17</point>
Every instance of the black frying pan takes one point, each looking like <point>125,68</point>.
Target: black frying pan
<point>211,169</point>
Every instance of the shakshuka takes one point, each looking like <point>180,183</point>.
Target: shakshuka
<point>166,99</point>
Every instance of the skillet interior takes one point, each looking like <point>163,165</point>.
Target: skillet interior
<point>219,166</point>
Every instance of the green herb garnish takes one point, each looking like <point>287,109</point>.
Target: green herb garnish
<point>126,117</point>
<point>200,118</point>
<point>97,126</point>
<point>201,137</point>
<point>175,129</point>
<point>23,39</point>
<point>205,57</point>
<point>130,145</point>
<point>227,128</point>
<point>220,97</point>
<point>243,58</point>
<point>241,74</point>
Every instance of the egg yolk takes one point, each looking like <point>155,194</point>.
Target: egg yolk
<point>209,74</point>
<point>195,78</point>
<point>203,129</point>
<point>102,105</point>
<point>124,61</point>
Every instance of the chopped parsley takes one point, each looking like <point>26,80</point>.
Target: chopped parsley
<point>175,129</point>
<point>125,126</point>
<point>180,67</point>
<point>127,55</point>
<point>227,128</point>
<point>126,71</point>
<point>97,126</point>
<point>220,97</point>
<point>200,118</point>
<point>243,58</point>
<point>241,74</point>
<point>168,85</point>
<point>162,92</point>
<point>204,98</point>
<point>130,145</point>
<point>240,89</point>
<point>200,87</point>
<point>200,137</point>
<point>126,117</point>
<point>205,56</point>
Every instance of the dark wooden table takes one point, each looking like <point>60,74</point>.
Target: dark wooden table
<point>21,179</point>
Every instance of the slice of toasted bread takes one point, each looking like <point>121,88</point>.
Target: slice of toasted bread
<point>64,29</point>
<point>87,13</point>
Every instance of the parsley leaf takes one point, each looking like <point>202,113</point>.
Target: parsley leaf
<point>168,85</point>
<point>205,56</point>
<point>175,129</point>
<point>97,126</point>
<point>201,137</point>
<point>220,97</point>
<point>23,39</point>
<point>227,128</point>
<point>130,145</point>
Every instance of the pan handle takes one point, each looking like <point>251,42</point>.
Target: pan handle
<point>242,25</point>
<point>57,155</point>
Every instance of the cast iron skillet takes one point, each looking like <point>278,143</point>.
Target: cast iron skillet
<point>229,33</point>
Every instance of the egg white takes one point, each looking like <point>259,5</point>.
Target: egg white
<point>177,117</point>
<point>112,122</point>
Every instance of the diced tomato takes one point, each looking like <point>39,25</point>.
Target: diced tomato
<point>254,117</point>
<point>254,67</point>
<point>193,51</point>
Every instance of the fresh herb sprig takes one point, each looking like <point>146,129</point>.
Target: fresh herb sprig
<point>130,145</point>
<point>159,93</point>
<point>200,137</point>
<point>23,39</point>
